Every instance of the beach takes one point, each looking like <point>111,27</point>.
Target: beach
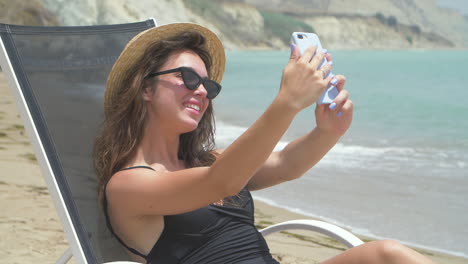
<point>32,233</point>
<point>29,226</point>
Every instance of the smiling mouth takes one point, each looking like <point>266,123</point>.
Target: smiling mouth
<point>193,106</point>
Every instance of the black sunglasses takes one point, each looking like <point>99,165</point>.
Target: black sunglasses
<point>192,80</point>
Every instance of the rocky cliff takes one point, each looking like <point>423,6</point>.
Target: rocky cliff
<point>440,27</point>
<point>23,12</point>
<point>266,24</point>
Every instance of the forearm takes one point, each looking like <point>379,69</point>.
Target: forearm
<point>239,162</point>
<point>301,86</point>
<point>303,153</point>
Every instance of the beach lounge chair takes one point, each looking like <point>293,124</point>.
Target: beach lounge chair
<point>57,76</point>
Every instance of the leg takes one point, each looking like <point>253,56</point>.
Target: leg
<point>379,252</point>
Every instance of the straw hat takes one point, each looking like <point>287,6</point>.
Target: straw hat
<point>136,47</point>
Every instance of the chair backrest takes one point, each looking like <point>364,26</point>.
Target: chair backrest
<point>58,76</point>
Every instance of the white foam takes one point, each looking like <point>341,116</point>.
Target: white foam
<point>348,156</point>
<point>227,133</point>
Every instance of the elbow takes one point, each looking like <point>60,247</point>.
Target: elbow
<point>225,187</point>
<point>290,176</point>
<point>295,176</point>
<point>231,188</point>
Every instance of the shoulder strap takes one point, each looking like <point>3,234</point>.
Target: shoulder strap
<point>137,167</point>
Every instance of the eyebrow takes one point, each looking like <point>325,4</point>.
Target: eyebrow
<point>188,67</point>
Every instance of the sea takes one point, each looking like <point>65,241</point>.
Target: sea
<point>401,170</point>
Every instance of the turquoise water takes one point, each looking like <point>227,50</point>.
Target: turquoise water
<point>401,170</point>
<point>408,97</point>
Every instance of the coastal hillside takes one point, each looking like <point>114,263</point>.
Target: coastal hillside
<point>267,24</point>
<point>423,16</point>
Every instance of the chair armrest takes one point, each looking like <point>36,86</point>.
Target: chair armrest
<point>122,262</point>
<point>338,233</point>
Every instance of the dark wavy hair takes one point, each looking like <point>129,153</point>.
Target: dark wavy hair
<point>122,130</point>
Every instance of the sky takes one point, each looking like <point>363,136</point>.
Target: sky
<point>461,5</point>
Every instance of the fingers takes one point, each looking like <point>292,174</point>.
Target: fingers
<point>308,54</point>
<point>302,80</point>
<point>317,60</point>
<point>342,104</point>
<point>313,59</point>
<point>342,99</point>
<point>339,82</point>
<point>326,69</point>
<point>294,53</point>
<point>346,108</point>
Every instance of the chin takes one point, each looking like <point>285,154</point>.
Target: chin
<point>189,126</point>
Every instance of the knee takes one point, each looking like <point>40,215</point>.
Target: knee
<point>390,251</point>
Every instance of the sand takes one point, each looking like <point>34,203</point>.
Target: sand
<point>29,227</point>
<point>31,232</point>
<point>299,246</point>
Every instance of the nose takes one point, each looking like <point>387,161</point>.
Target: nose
<point>201,91</point>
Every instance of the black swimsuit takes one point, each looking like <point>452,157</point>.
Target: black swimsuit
<point>214,234</point>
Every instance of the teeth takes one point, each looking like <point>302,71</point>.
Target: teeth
<point>193,106</point>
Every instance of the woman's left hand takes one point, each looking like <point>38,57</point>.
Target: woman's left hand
<point>336,118</point>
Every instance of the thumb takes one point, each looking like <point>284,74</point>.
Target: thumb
<point>294,52</point>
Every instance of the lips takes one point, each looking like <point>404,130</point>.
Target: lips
<point>193,106</point>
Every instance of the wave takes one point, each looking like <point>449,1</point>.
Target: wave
<point>352,156</point>
<point>388,158</point>
<point>227,133</point>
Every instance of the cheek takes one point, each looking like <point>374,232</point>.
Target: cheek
<point>180,90</point>
<point>170,92</point>
<point>180,87</point>
<point>170,87</point>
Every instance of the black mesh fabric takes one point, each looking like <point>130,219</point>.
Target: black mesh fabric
<point>62,73</point>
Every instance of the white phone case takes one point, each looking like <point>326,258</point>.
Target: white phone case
<point>304,40</point>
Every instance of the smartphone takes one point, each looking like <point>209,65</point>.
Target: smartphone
<point>304,40</point>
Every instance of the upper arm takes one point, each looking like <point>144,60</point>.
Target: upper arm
<point>146,192</point>
<point>269,174</point>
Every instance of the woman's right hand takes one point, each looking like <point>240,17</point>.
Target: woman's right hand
<point>302,83</point>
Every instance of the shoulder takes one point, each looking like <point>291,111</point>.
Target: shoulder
<point>130,180</point>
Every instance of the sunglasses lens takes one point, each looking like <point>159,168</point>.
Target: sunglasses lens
<point>212,88</point>
<point>191,79</point>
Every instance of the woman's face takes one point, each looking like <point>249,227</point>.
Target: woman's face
<point>170,103</point>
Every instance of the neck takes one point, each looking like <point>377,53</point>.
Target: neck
<point>159,146</point>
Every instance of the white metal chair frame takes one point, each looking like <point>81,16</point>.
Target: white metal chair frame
<point>333,231</point>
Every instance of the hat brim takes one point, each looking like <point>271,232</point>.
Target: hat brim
<point>136,47</point>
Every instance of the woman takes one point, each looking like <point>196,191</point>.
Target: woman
<point>168,196</point>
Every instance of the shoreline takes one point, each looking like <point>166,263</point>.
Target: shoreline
<point>32,232</point>
<point>363,236</point>
<point>311,247</point>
